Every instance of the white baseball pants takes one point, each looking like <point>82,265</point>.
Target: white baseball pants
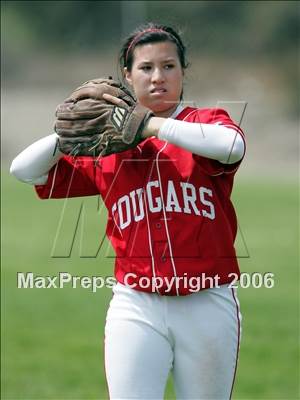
<point>195,337</point>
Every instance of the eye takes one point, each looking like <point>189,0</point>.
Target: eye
<point>169,66</point>
<point>145,68</point>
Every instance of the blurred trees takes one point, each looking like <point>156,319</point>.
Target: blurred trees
<point>251,34</point>
<point>229,27</point>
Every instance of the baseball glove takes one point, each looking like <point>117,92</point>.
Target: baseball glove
<point>88,125</point>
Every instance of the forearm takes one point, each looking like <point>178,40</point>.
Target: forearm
<point>33,164</point>
<point>207,140</point>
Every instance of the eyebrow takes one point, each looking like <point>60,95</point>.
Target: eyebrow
<point>150,62</point>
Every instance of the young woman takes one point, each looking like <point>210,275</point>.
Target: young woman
<point>172,225</point>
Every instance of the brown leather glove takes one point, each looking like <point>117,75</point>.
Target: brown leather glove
<point>88,125</point>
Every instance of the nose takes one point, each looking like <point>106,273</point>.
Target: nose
<point>157,76</point>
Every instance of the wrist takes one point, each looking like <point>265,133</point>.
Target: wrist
<point>152,127</point>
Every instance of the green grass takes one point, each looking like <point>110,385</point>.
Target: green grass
<point>52,339</point>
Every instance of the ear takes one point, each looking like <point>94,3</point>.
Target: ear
<point>127,76</point>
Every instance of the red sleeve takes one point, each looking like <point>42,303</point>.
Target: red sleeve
<point>71,177</point>
<point>216,116</point>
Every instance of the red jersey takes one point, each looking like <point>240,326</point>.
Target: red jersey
<point>169,210</point>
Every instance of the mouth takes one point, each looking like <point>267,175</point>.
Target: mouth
<point>158,91</point>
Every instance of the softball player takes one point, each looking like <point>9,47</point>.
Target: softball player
<point>172,225</point>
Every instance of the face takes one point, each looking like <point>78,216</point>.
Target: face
<point>156,77</point>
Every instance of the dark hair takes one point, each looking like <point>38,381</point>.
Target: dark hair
<point>150,33</point>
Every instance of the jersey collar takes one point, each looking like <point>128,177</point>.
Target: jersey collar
<point>178,110</point>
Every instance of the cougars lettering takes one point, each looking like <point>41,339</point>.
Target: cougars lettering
<point>190,200</point>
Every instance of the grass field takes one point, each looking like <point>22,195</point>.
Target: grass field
<point>52,339</point>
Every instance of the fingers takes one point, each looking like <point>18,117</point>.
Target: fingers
<point>91,90</point>
<point>115,100</point>
<point>86,92</point>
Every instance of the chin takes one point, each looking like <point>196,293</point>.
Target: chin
<point>163,109</point>
<point>158,104</point>
<point>161,105</point>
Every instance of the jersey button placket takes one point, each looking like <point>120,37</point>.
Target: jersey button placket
<point>158,226</point>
